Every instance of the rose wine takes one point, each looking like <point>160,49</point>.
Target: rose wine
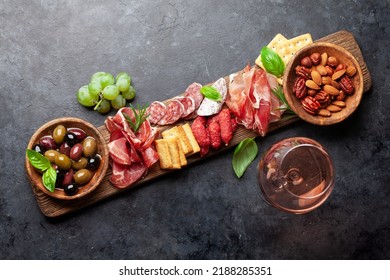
<point>296,175</point>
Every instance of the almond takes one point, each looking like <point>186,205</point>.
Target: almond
<point>322,70</point>
<point>324,113</point>
<point>333,108</point>
<point>337,75</point>
<point>311,84</point>
<point>331,90</point>
<point>339,103</point>
<point>316,77</point>
<point>326,80</point>
<point>335,84</point>
<point>324,58</point>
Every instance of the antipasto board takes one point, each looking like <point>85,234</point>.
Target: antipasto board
<point>52,207</point>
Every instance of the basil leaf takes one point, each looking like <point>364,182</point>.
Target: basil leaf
<point>243,156</point>
<point>211,93</point>
<point>49,178</point>
<point>272,62</point>
<point>38,160</point>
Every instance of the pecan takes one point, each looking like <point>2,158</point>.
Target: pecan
<point>323,98</point>
<point>341,96</point>
<point>329,70</point>
<point>303,72</point>
<point>299,87</point>
<point>311,105</point>
<point>346,85</point>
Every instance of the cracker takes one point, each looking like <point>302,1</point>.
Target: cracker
<point>174,152</point>
<point>179,133</point>
<point>287,49</point>
<point>163,152</point>
<point>191,138</point>
<point>278,39</point>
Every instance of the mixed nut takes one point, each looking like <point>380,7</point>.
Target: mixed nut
<point>323,84</point>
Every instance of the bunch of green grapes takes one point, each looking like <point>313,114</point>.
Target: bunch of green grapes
<point>104,91</point>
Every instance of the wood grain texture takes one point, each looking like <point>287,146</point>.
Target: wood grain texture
<point>52,207</point>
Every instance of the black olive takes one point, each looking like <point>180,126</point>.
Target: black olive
<point>94,162</point>
<point>38,148</point>
<point>71,139</point>
<point>60,178</point>
<point>71,189</point>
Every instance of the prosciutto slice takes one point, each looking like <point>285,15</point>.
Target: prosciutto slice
<point>131,153</point>
<point>125,175</point>
<point>251,100</point>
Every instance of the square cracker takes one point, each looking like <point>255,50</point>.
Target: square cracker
<point>287,49</point>
<point>278,39</point>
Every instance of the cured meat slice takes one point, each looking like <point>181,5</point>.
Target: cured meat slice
<point>119,151</point>
<point>149,156</point>
<point>210,107</point>
<point>193,91</point>
<point>165,120</point>
<point>125,175</point>
<point>176,109</point>
<point>188,104</point>
<point>116,135</point>
<point>156,111</point>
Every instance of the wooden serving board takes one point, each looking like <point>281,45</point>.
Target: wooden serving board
<point>52,207</point>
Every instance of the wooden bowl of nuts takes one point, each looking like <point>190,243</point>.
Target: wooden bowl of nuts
<point>323,83</point>
<point>66,158</point>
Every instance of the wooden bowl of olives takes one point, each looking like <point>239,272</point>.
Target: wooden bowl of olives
<point>323,83</point>
<point>66,158</point>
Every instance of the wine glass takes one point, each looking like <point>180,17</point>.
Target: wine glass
<point>296,175</point>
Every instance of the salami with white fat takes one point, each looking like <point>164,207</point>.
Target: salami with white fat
<point>188,104</point>
<point>157,110</point>
<point>193,91</point>
<point>176,109</point>
<point>210,107</point>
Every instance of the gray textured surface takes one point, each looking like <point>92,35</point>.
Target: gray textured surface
<point>48,49</point>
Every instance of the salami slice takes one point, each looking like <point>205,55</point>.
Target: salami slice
<point>157,110</point>
<point>193,91</point>
<point>176,108</point>
<point>188,104</point>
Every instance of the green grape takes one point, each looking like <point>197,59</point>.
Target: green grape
<point>97,75</point>
<point>129,94</point>
<point>104,106</point>
<point>110,92</point>
<point>95,88</point>
<point>106,80</point>
<point>123,84</point>
<point>85,98</point>
<point>123,75</point>
<point>118,102</point>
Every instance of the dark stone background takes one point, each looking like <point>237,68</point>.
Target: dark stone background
<point>48,49</point>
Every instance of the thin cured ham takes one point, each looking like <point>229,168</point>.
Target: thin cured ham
<point>131,153</point>
<point>251,100</point>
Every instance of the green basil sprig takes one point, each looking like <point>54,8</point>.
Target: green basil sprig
<point>243,155</point>
<point>41,163</point>
<point>272,62</point>
<point>211,93</point>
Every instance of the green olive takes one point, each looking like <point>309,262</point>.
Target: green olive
<point>63,162</point>
<point>89,146</point>
<point>59,134</point>
<point>82,176</point>
<point>51,155</point>
<point>80,164</point>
